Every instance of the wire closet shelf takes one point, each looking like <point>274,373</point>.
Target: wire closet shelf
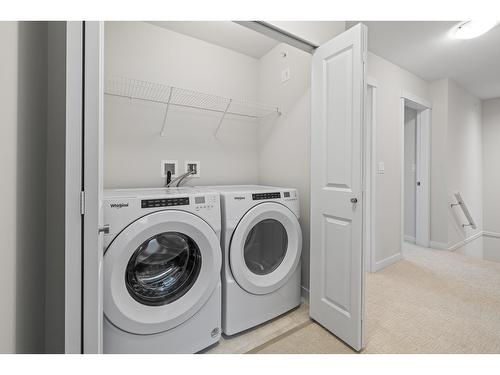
<point>135,89</point>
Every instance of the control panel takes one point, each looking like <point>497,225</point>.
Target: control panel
<point>261,196</point>
<point>204,202</point>
<point>164,202</point>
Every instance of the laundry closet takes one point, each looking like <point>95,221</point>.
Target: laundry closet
<point>266,83</point>
<point>227,114</point>
<point>231,109</point>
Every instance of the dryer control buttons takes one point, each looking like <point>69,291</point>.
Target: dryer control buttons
<point>151,203</point>
<point>261,196</point>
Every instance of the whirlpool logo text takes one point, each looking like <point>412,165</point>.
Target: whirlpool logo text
<point>118,205</point>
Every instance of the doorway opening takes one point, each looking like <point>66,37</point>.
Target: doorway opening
<point>415,173</point>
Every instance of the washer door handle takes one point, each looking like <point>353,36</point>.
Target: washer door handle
<point>104,229</point>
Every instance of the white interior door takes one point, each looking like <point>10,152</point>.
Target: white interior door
<point>338,90</point>
<point>93,187</point>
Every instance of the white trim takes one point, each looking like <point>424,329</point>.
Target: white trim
<point>370,81</point>
<point>464,242</point>
<point>491,234</point>
<point>422,235</point>
<point>416,102</point>
<point>423,192</point>
<point>410,239</point>
<point>438,245</point>
<point>370,176</point>
<point>381,264</point>
<point>73,171</point>
<point>444,246</point>
<point>92,172</point>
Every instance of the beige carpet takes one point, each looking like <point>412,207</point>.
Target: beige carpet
<point>431,302</point>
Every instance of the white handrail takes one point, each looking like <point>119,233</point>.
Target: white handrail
<point>465,210</point>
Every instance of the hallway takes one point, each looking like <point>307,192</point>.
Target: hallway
<point>432,301</point>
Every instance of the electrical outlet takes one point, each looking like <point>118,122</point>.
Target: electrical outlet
<point>381,167</point>
<point>169,166</point>
<point>193,166</point>
<point>285,75</point>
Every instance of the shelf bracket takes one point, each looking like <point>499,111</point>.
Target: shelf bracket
<point>166,113</point>
<point>222,118</point>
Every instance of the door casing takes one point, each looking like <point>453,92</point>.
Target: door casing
<point>423,149</point>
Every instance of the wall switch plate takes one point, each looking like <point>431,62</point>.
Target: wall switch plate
<point>381,167</point>
<point>192,165</point>
<point>169,165</point>
<point>285,75</point>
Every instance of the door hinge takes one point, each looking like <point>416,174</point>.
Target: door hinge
<point>82,203</point>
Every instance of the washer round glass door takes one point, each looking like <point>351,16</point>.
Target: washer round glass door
<point>265,248</point>
<point>159,271</point>
<point>163,268</point>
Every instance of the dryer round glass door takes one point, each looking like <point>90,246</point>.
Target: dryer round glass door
<point>159,271</point>
<point>265,248</point>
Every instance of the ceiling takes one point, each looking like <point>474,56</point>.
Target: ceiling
<point>424,48</point>
<point>226,34</point>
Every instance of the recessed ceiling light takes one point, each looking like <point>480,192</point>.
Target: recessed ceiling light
<point>472,29</point>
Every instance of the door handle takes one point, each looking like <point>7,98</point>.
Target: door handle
<point>104,229</point>
<point>354,200</point>
<point>418,183</point>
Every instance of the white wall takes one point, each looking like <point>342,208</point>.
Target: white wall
<point>284,154</point>
<point>22,217</point>
<point>392,80</point>
<point>439,171</point>
<point>133,146</point>
<point>410,174</point>
<point>456,165</point>
<point>491,178</point>
<point>464,167</point>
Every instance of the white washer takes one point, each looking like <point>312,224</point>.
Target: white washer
<point>261,244</point>
<point>162,287</point>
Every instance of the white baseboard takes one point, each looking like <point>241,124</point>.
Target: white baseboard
<point>487,233</point>
<point>381,264</point>
<point>464,242</point>
<point>304,293</point>
<point>439,245</point>
<point>410,239</point>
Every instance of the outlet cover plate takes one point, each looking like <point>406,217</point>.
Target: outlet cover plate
<point>171,165</point>
<point>189,164</point>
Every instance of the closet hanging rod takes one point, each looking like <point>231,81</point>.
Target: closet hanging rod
<point>192,106</point>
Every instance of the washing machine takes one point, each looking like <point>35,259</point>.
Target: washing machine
<point>261,245</point>
<point>162,263</point>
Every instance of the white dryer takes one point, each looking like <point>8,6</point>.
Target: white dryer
<point>262,245</point>
<point>162,263</point>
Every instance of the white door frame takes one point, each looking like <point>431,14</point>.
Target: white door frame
<point>73,188</point>
<point>92,184</point>
<point>370,176</point>
<point>423,148</point>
